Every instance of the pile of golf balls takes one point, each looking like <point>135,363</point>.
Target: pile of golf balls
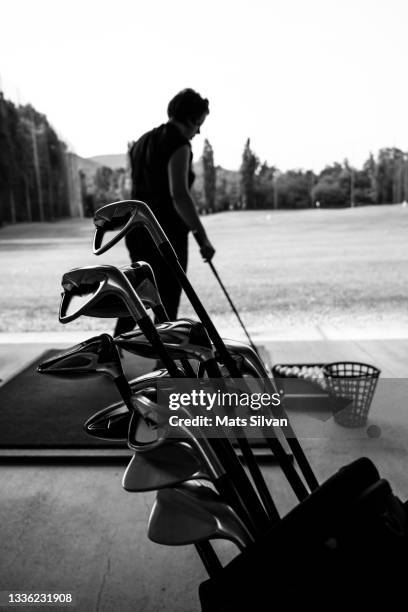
<point>312,373</point>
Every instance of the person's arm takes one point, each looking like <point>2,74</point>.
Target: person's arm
<point>178,181</point>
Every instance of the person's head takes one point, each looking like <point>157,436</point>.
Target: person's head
<point>189,110</point>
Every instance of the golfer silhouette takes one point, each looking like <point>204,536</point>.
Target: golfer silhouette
<point>162,176</point>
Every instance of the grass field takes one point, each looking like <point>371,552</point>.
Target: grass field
<point>347,266</point>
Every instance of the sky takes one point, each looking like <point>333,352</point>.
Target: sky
<point>309,81</point>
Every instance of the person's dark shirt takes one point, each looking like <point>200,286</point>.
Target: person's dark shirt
<point>149,158</point>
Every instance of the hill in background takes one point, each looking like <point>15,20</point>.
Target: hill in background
<point>116,161</point>
<point>227,184</point>
<point>119,160</point>
<point>88,165</point>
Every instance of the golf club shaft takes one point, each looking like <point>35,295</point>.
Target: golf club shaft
<point>247,492</point>
<point>150,331</point>
<point>235,311</point>
<point>209,558</point>
<point>290,435</point>
<point>214,371</point>
<point>161,316</point>
<point>147,218</point>
<point>236,488</point>
<point>283,459</point>
<point>272,513</point>
<point>172,261</point>
<point>124,389</point>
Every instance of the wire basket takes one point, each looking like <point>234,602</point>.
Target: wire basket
<point>353,381</point>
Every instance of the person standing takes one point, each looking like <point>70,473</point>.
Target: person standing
<point>162,176</point>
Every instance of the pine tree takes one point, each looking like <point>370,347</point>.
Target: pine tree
<point>249,165</point>
<point>210,176</point>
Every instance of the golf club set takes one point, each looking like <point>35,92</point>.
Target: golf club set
<point>203,490</point>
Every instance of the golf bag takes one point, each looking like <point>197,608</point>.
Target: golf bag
<point>346,543</point>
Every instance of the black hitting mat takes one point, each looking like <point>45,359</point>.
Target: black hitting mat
<point>39,411</point>
<point>42,412</point>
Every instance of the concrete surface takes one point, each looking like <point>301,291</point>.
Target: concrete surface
<point>73,529</point>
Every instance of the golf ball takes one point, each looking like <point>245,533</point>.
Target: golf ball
<point>373,431</point>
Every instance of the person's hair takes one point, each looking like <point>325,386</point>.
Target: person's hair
<point>187,105</point>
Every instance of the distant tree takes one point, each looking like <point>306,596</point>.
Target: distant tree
<point>294,189</point>
<point>109,186</point>
<point>227,189</point>
<point>265,186</point>
<point>209,176</point>
<point>398,177</point>
<point>33,177</point>
<point>390,175</point>
<point>333,186</point>
<point>8,161</point>
<point>405,177</point>
<point>311,180</point>
<point>370,172</point>
<point>103,185</point>
<point>249,165</point>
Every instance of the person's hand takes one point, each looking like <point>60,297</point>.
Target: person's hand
<point>207,250</point>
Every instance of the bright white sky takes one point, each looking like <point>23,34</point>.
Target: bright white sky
<point>310,81</point>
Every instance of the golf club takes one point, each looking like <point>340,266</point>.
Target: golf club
<point>83,287</point>
<point>93,357</point>
<point>183,339</point>
<point>142,279</point>
<point>193,512</point>
<point>186,339</point>
<point>222,473</point>
<point>166,466</point>
<point>253,363</point>
<point>112,423</point>
<point>227,295</point>
<point>120,218</point>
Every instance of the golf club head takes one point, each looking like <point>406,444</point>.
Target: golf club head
<point>85,287</point>
<point>183,339</point>
<point>114,221</point>
<point>142,279</point>
<point>164,467</point>
<point>191,513</point>
<point>145,405</point>
<point>98,355</point>
<point>247,355</point>
<point>112,422</point>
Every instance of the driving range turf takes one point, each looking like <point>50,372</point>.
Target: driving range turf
<point>281,268</point>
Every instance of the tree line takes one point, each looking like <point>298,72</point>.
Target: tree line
<point>41,181</point>
<point>382,180</point>
<point>34,170</point>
